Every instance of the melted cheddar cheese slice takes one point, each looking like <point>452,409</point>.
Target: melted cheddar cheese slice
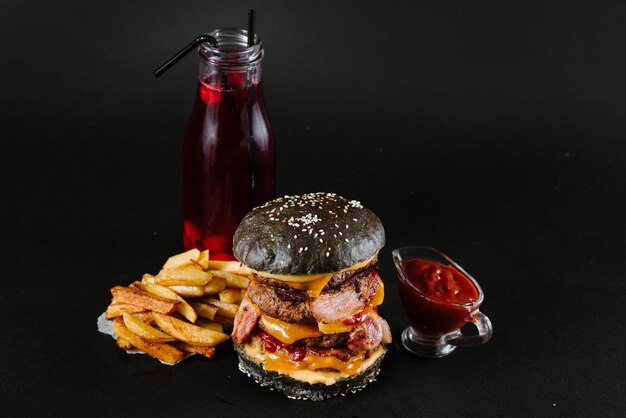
<point>312,288</point>
<point>285,332</point>
<point>305,278</point>
<point>334,327</point>
<point>313,369</point>
<point>278,361</point>
<point>338,326</point>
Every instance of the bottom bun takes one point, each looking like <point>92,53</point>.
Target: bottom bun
<point>297,389</point>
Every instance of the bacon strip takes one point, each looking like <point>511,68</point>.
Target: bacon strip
<point>366,336</point>
<point>340,303</point>
<point>386,332</point>
<point>245,320</point>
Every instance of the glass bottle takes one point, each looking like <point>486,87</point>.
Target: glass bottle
<point>228,149</point>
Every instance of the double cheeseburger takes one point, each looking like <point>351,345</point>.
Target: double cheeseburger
<point>309,324</point>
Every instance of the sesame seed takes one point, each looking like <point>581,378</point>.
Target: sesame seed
<point>327,253</point>
<point>321,240</point>
<point>347,240</point>
<point>308,219</point>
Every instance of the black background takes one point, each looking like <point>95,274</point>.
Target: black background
<point>494,131</point>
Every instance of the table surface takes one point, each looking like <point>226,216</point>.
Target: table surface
<point>493,132</point>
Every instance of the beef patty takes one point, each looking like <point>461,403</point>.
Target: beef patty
<point>336,280</point>
<point>352,294</point>
<point>285,304</point>
<point>325,341</point>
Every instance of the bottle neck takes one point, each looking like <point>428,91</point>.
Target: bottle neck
<point>233,65</point>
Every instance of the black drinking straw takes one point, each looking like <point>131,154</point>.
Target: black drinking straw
<point>250,27</point>
<point>187,49</point>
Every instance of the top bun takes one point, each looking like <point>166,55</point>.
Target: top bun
<point>310,234</point>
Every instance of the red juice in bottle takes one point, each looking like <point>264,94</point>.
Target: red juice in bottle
<point>228,148</point>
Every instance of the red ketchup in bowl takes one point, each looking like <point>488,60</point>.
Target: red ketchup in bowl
<point>437,298</point>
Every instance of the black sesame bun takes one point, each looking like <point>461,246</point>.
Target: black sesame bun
<point>314,233</point>
<point>297,389</point>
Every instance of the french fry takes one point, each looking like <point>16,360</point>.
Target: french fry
<point>227,310</point>
<point>144,313</point>
<point>148,279</point>
<point>162,351</point>
<point>203,260</point>
<point>214,326</point>
<point>215,285</point>
<point>184,276</point>
<point>204,310</point>
<point>188,291</point>
<point>161,291</point>
<point>232,266</point>
<point>226,323</point>
<point>144,330</point>
<point>123,343</point>
<point>189,333</point>
<point>147,317</point>
<point>231,295</point>
<point>182,259</point>
<point>117,309</point>
<point>147,301</point>
<point>202,350</point>
<point>232,279</point>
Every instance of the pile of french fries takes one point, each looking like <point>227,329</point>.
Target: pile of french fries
<point>186,308</point>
